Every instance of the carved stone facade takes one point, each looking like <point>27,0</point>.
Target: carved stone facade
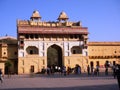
<point>8,52</point>
<point>36,36</point>
<point>69,39</point>
<point>100,52</point>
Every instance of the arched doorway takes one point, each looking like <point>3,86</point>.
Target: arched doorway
<point>54,55</point>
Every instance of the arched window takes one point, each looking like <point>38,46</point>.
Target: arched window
<point>76,50</point>
<point>31,36</point>
<point>26,36</point>
<point>32,50</point>
<point>36,36</point>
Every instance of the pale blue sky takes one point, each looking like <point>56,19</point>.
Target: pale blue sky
<point>102,17</point>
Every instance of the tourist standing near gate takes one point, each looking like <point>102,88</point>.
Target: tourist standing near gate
<point>118,75</point>
<point>97,70</point>
<point>92,70</point>
<point>115,67</point>
<point>1,76</point>
<point>88,70</point>
<point>64,70</point>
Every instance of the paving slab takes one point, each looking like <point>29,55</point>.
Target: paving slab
<point>58,82</point>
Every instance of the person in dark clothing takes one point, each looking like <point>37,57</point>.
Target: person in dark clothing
<point>97,70</point>
<point>1,74</point>
<point>118,75</point>
<point>88,70</point>
<point>106,67</point>
<point>115,67</point>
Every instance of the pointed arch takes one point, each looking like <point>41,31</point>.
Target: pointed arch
<point>54,55</point>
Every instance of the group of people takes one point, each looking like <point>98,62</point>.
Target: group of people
<point>53,69</point>
<point>63,70</point>
<point>77,70</point>
<point>93,71</point>
<point>115,68</point>
<point>116,73</point>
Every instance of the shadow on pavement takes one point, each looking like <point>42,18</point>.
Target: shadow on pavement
<point>99,87</point>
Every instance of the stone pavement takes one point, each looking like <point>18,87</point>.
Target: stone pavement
<point>58,82</point>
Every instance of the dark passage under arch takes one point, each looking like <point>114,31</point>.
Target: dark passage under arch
<point>54,55</point>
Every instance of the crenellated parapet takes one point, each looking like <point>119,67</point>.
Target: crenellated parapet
<point>35,20</point>
<point>48,24</point>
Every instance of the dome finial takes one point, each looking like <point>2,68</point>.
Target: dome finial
<point>35,15</point>
<point>63,16</point>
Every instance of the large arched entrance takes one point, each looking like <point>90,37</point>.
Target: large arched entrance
<point>54,55</point>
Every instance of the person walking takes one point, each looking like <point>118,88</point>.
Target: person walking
<point>1,76</point>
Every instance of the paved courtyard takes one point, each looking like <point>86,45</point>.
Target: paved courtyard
<point>58,82</point>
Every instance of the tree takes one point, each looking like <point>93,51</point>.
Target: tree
<point>8,64</point>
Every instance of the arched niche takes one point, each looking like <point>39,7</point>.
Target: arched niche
<point>76,50</point>
<point>32,50</point>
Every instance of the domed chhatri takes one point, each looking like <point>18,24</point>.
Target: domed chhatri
<point>35,15</point>
<point>63,16</point>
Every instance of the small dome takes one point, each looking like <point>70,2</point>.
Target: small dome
<point>63,16</point>
<point>35,15</point>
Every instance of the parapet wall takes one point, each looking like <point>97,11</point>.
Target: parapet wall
<point>48,24</point>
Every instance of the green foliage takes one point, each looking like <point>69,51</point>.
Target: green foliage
<point>8,64</point>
